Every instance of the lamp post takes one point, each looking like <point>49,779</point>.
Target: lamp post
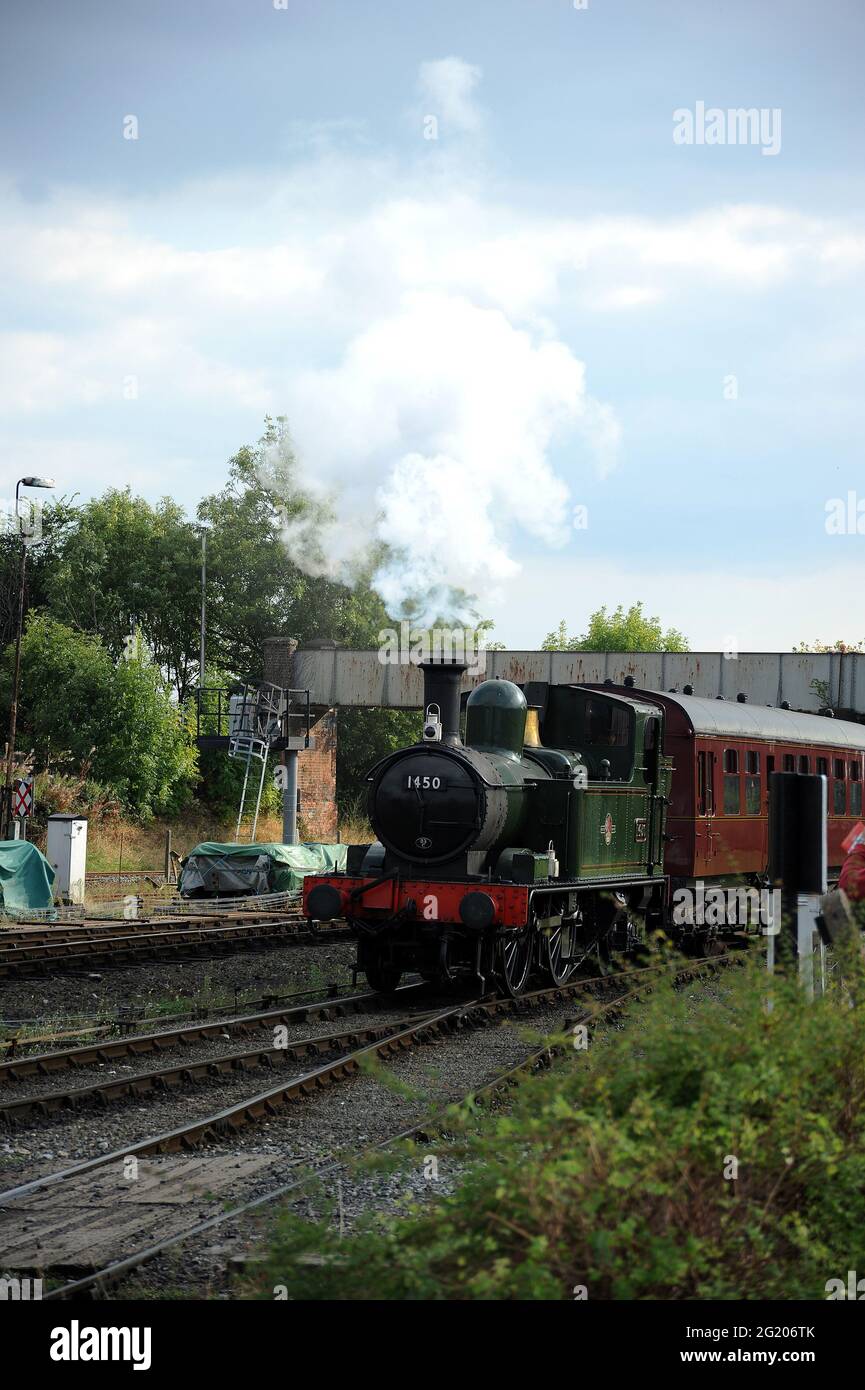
<point>6,817</point>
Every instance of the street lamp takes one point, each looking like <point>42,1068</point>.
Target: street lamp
<point>6,809</point>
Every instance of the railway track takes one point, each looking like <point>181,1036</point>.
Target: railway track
<point>143,1044</point>
<point>186,1072</point>
<point>377,1042</point>
<point>28,951</point>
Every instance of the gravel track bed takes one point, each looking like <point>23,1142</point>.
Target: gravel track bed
<point>270,969</point>
<point>352,1114</point>
<point>358,1112</point>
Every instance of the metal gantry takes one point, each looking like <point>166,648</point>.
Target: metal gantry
<point>250,721</point>
<point>255,722</point>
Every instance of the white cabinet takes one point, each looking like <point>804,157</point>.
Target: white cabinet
<point>66,852</point>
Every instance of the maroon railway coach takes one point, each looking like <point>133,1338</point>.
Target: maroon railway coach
<point>723,754</point>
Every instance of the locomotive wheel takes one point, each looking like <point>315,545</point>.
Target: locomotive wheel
<point>382,978</point>
<point>556,945</point>
<point>514,960</point>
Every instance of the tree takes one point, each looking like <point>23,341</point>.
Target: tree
<point>618,631</point>
<point>124,566</point>
<point>364,736</point>
<point>255,589</point>
<point>839,646</point>
<point>114,722</point>
<point>57,519</point>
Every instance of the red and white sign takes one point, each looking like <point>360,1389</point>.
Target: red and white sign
<point>22,798</point>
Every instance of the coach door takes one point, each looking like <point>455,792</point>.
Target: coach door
<point>705,806</point>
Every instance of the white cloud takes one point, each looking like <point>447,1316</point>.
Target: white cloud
<point>448,84</point>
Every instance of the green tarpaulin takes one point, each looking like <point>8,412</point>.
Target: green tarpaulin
<point>26,878</point>
<point>289,863</point>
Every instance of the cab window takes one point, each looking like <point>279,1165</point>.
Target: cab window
<point>606,724</point>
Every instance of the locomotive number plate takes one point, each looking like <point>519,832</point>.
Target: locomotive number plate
<point>640,829</point>
<point>426,784</point>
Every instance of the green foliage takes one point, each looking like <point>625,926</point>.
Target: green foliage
<point>363,737</point>
<point>114,723</point>
<point>838,646</point>
<point>58,517</point>
<point>618,631</point>
<point>613,1170</point>
<point>125,566</point>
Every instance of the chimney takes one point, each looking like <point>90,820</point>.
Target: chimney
<point>441,686</point>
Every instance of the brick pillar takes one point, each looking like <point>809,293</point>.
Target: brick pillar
<point>316,767</point>
<point>316,773</point>
<point>278,654</point>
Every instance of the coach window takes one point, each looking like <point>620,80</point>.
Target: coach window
<point>839,795</point>
<point>731,782</point>
<point>804,762</point>
<point>822,767</point>
<point>705,790</point>
<point>789,762</point>
<point>855,789</point>
<point>752,784</point>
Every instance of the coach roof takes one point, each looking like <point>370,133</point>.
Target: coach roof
<point>730,719</point>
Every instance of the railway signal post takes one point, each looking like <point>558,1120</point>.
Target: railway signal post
<point>798,865</point>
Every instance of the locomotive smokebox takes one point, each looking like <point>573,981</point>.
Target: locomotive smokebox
<point>441,687</point>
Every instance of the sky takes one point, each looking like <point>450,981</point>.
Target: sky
<point>523,321</point>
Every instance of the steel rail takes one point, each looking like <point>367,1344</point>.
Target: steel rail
<point>107,1049</point>
<point>187,1073</point>
<point>96,931</point>
<point>20,960</point>
<point>110,1274</point>
<point>475,1012</point>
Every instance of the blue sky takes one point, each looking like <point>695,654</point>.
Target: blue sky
<point>470,335</point>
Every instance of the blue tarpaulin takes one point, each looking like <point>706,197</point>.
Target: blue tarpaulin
<point>26,878</point>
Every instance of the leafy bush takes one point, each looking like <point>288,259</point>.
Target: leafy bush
<point>113,724</point>
<point>614,1170</point>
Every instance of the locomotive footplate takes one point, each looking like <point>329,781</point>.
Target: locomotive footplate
<point>391,900</point>
<point>326,896</point>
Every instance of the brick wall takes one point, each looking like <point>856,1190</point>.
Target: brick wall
<point>316,776</point>
<point>316,767</point>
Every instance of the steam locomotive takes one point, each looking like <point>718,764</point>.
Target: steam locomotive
<point>560,828</point>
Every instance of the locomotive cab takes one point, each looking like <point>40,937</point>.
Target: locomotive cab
<point>602,727</point>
